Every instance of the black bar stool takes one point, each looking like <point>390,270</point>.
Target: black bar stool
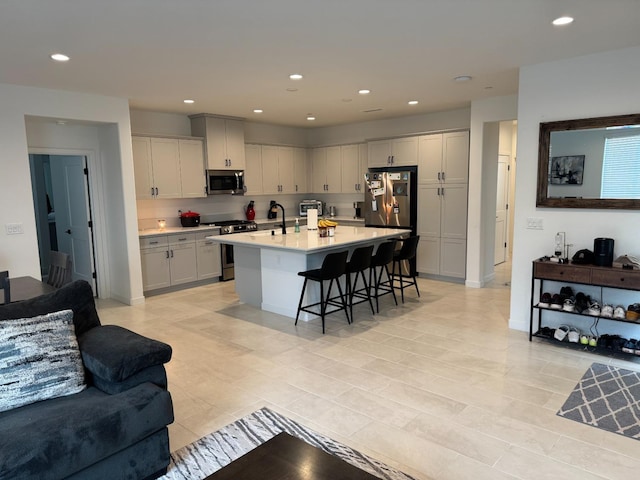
<point>406,252</point>
<point>333,267</point>
<point>359,262</point>
<point>382,258</point>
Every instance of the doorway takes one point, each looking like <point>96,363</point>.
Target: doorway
<point>62,203</point>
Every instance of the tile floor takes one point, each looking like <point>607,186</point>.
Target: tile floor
<point>438,387</point>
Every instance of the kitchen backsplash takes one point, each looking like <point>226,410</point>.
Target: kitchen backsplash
<point>226,207</point>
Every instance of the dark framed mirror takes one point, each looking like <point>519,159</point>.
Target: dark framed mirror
<point>590,163</point>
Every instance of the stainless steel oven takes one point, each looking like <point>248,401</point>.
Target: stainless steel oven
<point>229,227</point>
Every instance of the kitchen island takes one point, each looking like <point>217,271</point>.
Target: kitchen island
<point>267,265</point>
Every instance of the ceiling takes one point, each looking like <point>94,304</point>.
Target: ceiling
<point>232,56</point>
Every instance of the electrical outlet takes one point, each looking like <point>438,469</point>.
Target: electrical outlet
<point>14,228</point>
<point>534,223</point>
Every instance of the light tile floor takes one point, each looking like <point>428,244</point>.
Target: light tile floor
<point>438,387</point>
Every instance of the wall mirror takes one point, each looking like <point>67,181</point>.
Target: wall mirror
<point>590,163</point>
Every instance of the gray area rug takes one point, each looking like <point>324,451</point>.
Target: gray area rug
<point>210,453</point>
<point>608,398</point>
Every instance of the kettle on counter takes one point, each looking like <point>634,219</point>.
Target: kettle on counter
<point>251,213</point>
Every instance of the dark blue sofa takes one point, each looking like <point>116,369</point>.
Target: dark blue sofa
<point>114,429</point>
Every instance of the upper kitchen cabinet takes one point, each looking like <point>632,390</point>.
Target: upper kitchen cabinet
<point>354,165</point>
<point>253,170</point>
<point>168,167</point>
<point>327,170</point>
<point>444,158</point>
<point>224,141</point>
<point>277,170</point>
<point>300,170</point>
<point>393,152</point>
<point>156,164</point>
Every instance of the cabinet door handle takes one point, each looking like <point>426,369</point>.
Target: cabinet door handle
<point>167,252</point>
<point>296,188</point>
<point>154,243</point>
<point>171,253</point>
<point>156,191</point>
<point>438,175</point>
<point>152,191</point>
<point>443,191</point>
<point>182,239</point>
<point>442,175</point>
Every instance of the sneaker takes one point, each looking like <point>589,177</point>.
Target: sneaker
<point>607,311</point>
<point>582,302</point>
<point>545,300</point>
<point>630,346</point>
<point>618,343</point>
<point>619,313</point>
<point>556,302</point>
<point>561,332</point>
<point>594,309</point>
<point>633,312</point>
<point>584,340</point>
<point>574,335</point>
<point>566,292</point>
<point>593,342</point>
<point>569,305</point>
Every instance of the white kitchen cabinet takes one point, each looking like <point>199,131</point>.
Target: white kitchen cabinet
<point>442,257</point>
<point>168,260</point>
<point>354,165</point>
<point>443,158</point>
<point>277,170</point>
<point>193,182</point>
<point>208,257</point>
<point>182,256</point>
<point>155,268</point>
<point>300,170</point>
<point>224,141</point>
<point>168,167</point>
<point>393,152</point>
<point>253,169</point>
<point>327,170</point>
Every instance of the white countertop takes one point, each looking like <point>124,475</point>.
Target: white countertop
<point>307,241</point>
<point>152,232</point>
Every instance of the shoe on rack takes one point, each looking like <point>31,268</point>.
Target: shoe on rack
<point>619,313</point>
<point>593,341</point>
<point>573,335</point>
<point>569,305</point>
<point>584,340</point>
<point>561,332</point>
<point>545,300</point>
<point>607,311</point>
<point>582,302</point>
<point>594,309</point>
<point>556,302</point>
<point>618,343</point>
<point>566,292</point>
<point>633,312</point>
<point>630,346</point>
<point>546,332</point>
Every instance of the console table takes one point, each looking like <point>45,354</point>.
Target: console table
<point>603,277</point>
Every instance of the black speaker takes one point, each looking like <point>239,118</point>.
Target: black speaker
<point>603,251</point>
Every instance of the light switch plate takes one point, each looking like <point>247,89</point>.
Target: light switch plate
<point>534,223</point>
<point>14,228</point>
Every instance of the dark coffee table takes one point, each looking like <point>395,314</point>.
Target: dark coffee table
<point>288,457</point>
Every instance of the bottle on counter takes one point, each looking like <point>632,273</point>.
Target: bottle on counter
<point>296,227</point>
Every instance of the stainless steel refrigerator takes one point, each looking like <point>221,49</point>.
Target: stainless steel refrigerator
<point>390,200</point>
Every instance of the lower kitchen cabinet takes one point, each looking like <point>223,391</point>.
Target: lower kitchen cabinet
<point>442,256</point>
<point>168,260</point>
<point>208,256</point>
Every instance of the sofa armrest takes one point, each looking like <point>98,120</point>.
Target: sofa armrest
<point>114,353</point>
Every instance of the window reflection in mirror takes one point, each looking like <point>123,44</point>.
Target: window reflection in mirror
<point>590,163</point>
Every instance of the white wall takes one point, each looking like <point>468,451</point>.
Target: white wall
<point>583,87</point>
<point>19,253</point>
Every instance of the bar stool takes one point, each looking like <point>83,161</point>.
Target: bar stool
<point>406,252</point>
<point>333,267</point>
<point>382,258</point>
<point>359,262</point>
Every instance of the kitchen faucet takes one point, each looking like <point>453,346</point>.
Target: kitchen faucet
<point>284,224</point>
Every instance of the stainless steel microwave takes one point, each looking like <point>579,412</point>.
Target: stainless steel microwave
<point>225,182</point>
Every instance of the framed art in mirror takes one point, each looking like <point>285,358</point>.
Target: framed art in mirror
<point>590,163</point>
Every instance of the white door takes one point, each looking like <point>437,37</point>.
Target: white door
<point>502,200</point>
<point>71,200</point>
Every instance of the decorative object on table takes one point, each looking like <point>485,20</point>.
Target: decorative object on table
<point>583,257</point>
<point>603,252</point>
<point>251,213</point>
<point>273,210</point>
<point>608,398</point>
<point>628,262</point>
<point>162,224</point>
<point>209,454</point>
<point>566,170</point>
<point>189,219</point>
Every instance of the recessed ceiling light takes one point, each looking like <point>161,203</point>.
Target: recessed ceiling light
<point>562,21</point>
<point>412,102</point>
<point>310,117</point>
<point>188,100</point>
<point>60,57</point>
<point>61,122</point>
<point>462,78</point>
<point>364,91</point>
<point>295,76</point>
<point>257,110</point>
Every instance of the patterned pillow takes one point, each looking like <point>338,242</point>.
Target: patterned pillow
<point>39,359</point>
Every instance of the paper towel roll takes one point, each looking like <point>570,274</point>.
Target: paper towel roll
<point>312,219</point>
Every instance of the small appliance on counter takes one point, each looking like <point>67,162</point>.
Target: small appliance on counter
<point>357,206</point>
<point>332,211</point>
<point>306,205</point>
<point>250,213</point>
<point>189,219</point>
<point>273,210</point>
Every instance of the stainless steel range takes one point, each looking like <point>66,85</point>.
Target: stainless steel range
<point>228,227</point>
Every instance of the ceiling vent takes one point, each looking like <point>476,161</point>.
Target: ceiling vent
<point>372,110</point>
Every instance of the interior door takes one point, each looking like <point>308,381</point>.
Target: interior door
<point>502,200</point>
<point>71,200</point>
